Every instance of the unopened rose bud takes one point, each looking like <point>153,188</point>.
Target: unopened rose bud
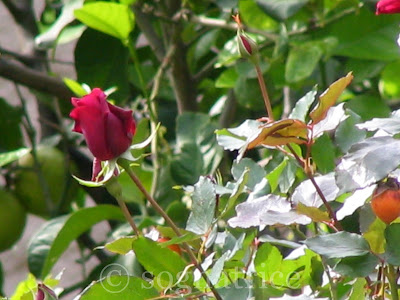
<point>248,48</point>
<point>388,7</point>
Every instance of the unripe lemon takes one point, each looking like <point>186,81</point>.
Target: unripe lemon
<point>385,201</point>
<point>29,189</point>
<point>12,220</point>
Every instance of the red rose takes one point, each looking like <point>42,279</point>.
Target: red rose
<point>108,129</point>
<point>388,7</point>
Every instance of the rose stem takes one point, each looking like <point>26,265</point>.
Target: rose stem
<point>114,188</point>
<point>158,208</point>
<point>336,225</point>
<point>264,92</point>
<point>128,216</point>
<point>151,104</point>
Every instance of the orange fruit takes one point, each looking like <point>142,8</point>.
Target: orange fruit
<point>173,247</point>
<point>385,201</point>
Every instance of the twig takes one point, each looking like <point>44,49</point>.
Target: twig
<point>33,79</point>
<point>158,208</point>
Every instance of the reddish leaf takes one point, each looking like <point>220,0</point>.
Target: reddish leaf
<point>329,97</point>
<point>281,133</point>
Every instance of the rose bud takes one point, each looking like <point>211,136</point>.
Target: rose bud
<point>388,7</point>
<point>108,129</point>
<point>248,48</point>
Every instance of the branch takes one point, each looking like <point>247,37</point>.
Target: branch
<point>34,79</point>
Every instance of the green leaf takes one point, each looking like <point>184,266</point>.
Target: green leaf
<point>359,266</point>
<point>8,157</point>
<point>120,246</point>
<point>198,151</point>
<point>203,206</point>
<point>281,9</point>
<point>75,87</point>
<point>367,162</point>
<point>375,236</point>
<point>253,16</point>
<point>338,245</point>
<point>25,288</point>
<point>238,290</point>
<point>110,18</point>
<point>239,137</point>
<point>50,242</point>
<point>256,172</point>
<point>302,61</point>
<point>363,35</point>
<point>347,133</point>
<point>248,93</point>
<point>268,261</point>
<point>106,68</point>
<point>329,97</point>
<point>323,154</point>
<point>392,237</point>
<point>10,119</point>
<point>163,263</point>
<point>362,104</point>
<point>389,125</point>
<point>389,83</point>
<point>227,79</point>
<point>218,267</point>
<point>115,287</point>
<point>302,106</point>
<point>359,289</point>
<point>275,175</point>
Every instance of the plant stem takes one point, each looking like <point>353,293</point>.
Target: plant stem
<point>336,224</point>
<point>264,92</point>
<point>392,278</point>
<point>125,164</point>
<point>128,216</point>
<point>115,189</point>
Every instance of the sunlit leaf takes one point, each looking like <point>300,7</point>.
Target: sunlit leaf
<point>302,106</point>
<point>329,97</point>
<point>114,19</point>
<point>367,162</point>
<point>390,125</point>
<point>355,201</point>
<point>267,210</point>
<point>203,206</point>
<point>307,194</point>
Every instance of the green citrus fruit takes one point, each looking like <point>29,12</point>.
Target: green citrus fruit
<point>32,191</point>
<point>12,220</point>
